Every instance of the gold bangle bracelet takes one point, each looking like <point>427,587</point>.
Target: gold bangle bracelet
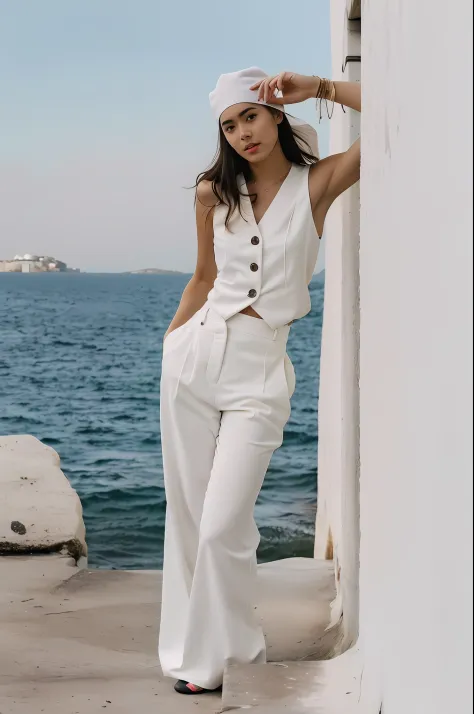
<point>326,92</point>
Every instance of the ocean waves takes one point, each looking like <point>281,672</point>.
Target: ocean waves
<point>80,370</point>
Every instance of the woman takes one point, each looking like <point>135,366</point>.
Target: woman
<point>226,378</point>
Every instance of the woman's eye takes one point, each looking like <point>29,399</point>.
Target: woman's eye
<point>251,116</point>
<point>228,128</point>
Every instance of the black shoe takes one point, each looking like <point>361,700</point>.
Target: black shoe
<point>183,687</point>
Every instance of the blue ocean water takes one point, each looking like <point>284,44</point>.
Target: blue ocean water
<point>80,358</point>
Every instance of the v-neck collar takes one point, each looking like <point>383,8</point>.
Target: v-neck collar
<point>247,197</point>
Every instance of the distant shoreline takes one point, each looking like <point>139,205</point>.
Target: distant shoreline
<point>152,271</point>
<point>146,271</point>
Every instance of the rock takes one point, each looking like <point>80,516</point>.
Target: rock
<point>40,512</point>
<point>18,527</point>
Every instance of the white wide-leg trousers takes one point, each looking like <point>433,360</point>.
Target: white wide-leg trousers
<point>225,399</point>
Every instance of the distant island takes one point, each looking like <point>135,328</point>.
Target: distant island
<point>153,271</point>
<point>29,263</point>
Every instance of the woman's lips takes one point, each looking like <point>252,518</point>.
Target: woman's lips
<point>252,149</point>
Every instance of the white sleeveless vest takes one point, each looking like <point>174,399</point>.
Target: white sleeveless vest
<point>269,265</point>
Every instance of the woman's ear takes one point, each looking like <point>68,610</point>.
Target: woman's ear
<point>277,115</point>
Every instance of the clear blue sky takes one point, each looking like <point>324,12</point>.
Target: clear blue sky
<point>105,117</point>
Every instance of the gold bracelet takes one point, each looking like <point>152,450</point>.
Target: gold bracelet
<point>326,91</point>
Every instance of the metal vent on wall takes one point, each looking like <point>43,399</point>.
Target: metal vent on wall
<point>354,9</point>
<point>352,40</point>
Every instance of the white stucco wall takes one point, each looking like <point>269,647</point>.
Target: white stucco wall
<point>416,354</point>
<point>415,412</point>
<point>338,468</point>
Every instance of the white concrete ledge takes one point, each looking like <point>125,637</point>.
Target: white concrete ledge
<point>328,687</point>
<point>39,510</point>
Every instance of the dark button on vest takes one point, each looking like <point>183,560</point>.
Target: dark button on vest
<point>255,240</point>
<point>252,293</point>
<point>253,267</point>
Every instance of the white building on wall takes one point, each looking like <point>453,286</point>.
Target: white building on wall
<point>395,424</point>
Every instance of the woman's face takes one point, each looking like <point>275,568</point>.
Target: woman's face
<point>251,130</point>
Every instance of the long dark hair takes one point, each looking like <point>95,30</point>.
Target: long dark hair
<point>228,164</point>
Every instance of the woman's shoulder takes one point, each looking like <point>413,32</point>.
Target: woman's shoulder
<point>205,194</point>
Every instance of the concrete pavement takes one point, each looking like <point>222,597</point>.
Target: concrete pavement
<point>84,641</point>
